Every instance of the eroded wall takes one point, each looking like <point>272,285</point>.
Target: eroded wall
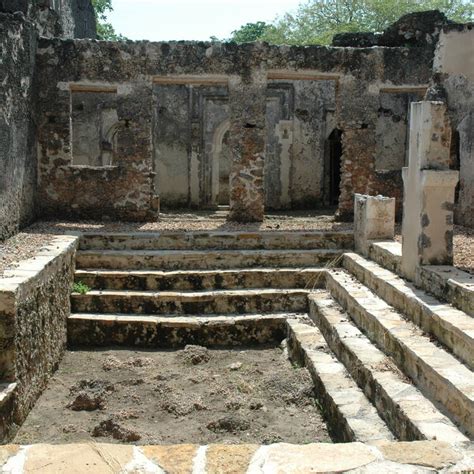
<point>175,99</point>
<point>34,306</point>
<point>454,70</point>
<point>56,18</point>
<point>17,139</point>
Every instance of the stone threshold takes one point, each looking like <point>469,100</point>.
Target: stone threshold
<point>92,458</point>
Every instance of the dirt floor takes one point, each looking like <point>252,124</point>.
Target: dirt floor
<point>193,395</point>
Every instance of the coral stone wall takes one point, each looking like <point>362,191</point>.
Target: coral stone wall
<point>17,139</point>
<point>147,76</point>
<point>34,306</point>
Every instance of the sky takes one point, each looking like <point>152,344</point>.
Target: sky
<point>163,20</point>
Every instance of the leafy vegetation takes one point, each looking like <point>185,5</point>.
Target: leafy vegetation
<point>80,288</point>
<point>105,30</point>
<point>317,21</point>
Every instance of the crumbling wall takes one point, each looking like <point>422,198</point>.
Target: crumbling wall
<point>34,306</point>
<point>175,97</point>
<point>454,71</point>
<point>56,18</point>
<point>17,141</point>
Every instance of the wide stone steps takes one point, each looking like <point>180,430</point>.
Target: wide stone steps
<point>202,259</point>
<point>261,300</point>
<point>350,416</point>
<point>196,280</point>
<point>270,240</point>
<point>171,331</point>
<point>450,326</point>
<point>442,378</point>
<point>400,404</point>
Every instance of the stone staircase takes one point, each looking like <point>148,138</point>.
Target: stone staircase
<point>172,289</point>
<point>388,360</point>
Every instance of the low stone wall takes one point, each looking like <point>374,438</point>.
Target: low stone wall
<point>34,306</point>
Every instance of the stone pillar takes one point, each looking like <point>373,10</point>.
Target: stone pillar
<point>374,219</point>
<point>428,190</point>
<point>247,103</point>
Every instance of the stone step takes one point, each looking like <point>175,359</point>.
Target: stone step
<point>270,240</point>
<point>388,254</point>
<point>202,259</point>
<point>452,327</point>
<point>101,330</point>
<point>403,407</point>
<point>444,380</point>
<point>450,284</point>
<point>195,280</point>
<point>261,300</point>
<point>349,414</point>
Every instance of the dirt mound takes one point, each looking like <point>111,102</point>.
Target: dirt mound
<point>229,424</point>
<point>110,428</point>
<point>90,395</point>
<point>194,355</point>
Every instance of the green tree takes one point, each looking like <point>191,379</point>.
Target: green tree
<point>105,30</point>
<point>317,21</point>
<point>250,32</point>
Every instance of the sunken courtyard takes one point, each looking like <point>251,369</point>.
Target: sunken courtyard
<point>235,258</point>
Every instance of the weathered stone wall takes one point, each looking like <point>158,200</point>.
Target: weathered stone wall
<point>56,18</point>
<point>454,70</point>
<point>17,142</point>
<point>174,96</point>
<point>34,306</point>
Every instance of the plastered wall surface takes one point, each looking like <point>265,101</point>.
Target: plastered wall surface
<point>176,98</point>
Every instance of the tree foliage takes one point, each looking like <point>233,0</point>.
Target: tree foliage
<point>250,32</point>
<point>105,30</point>
<point>317,21</point>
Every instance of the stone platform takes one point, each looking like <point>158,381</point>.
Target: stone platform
<point>415,457</point>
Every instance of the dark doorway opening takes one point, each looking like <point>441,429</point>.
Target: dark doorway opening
<point>335,153</point>
<point>455,164</point>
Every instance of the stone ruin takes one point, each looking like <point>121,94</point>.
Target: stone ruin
<point>376,127</point>
<point>199,125</point>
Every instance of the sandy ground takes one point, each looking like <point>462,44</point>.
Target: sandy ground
<point>26,243</point>
<point>193,395</point>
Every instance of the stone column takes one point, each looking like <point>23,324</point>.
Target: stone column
<point>247,103</point>
<point>374,219</point>
<point>428,190</point>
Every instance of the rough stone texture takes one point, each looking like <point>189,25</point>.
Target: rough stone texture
<point>453,69</point>
<point>429,190</point>
<point>404,408</point>
<point>436,454</point>
<point>417,29</point>
<point>449,284</point>
<point>17,143</point>
<point>276,458</point>
<point>247,143</point>
<point>56,18</point>
<point>310,91</point>
<point>439,375</point>
<point>374,219</point>
<point>349,415</point>
<point>34,306</point>
<point>450,326</point>
<point>99,330</point>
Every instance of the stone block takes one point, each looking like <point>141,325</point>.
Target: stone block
<point>374,219</point>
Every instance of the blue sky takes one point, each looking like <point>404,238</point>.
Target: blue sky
<point>161,20</point>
